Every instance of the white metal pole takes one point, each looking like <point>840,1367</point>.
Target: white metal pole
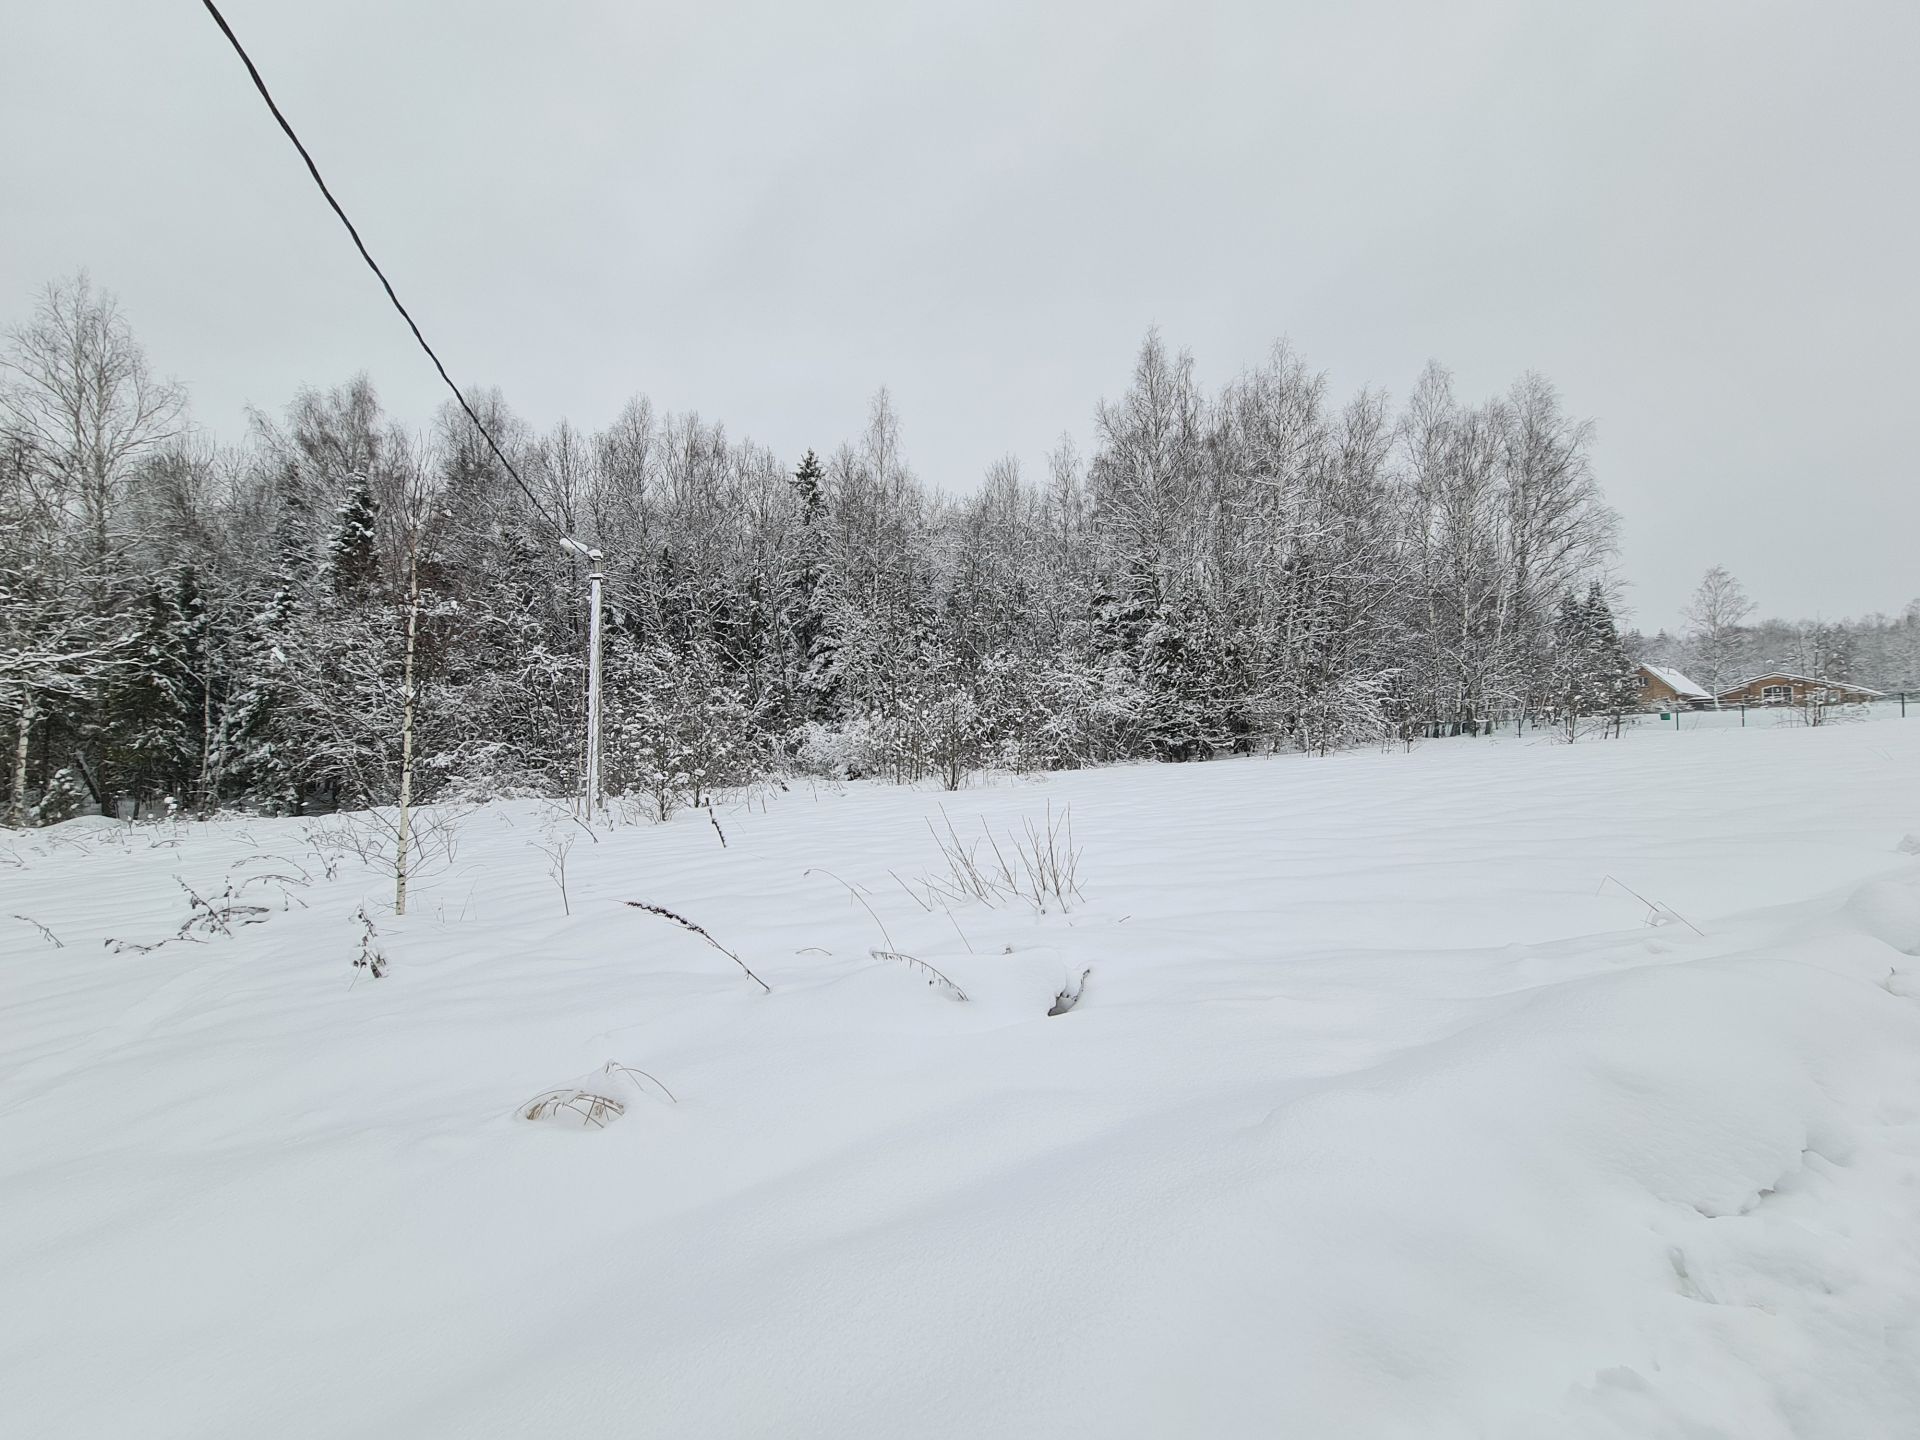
<point>400,857</point>
<point>593,688</point>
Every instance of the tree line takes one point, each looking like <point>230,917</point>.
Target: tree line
<point>1255,566</point>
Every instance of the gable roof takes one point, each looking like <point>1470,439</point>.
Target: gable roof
<point>1676,682</point>
<point>1846,685</point>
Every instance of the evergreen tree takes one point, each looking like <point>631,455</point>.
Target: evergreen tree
<point>1573,670</point>
<point>352,556</point>
<point>811,633</point>
<point>160,710</point>
<point>1614,678</point>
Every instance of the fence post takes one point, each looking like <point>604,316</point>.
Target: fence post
<point>1903,704</point>
<point>1743,714</point>
<point>1676,718</point>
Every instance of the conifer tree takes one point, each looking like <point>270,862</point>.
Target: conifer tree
<point>1614,679</point>
<point>352,557</point>
<point>162,703</point>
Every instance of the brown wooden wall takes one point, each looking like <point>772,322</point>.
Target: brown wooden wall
<point>1753,692</point>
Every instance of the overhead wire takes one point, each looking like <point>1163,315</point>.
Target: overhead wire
<point>260,84</point>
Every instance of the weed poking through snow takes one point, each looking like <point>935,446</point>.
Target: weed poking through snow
<point>1039,866</point>
<point>934,977</point>
<point>700,930</point>
<point>371,958</point>
<point>555,848</point>
<point>859,897</point>
<point>1657,912</point>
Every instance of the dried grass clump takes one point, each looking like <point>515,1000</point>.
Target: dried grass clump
<point>219,914</point>
<point>592,1108</point>
<point>1039,866</point>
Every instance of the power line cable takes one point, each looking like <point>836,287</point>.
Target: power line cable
<point>385,284</point>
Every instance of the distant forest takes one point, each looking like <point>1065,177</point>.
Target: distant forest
<point>191,624</point>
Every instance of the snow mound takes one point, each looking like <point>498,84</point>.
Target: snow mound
<point>1889,910</point>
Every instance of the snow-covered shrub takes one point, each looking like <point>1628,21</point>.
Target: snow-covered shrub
<point>956,731</point>
<point>843,751</point>
<point>675,728</point>
<point>475,771</point>
<point>64,798</point>
<point>1346,712</point>
<point>1818,710</point>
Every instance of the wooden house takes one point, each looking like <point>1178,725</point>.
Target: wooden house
<point>1781,687</point>
<point>1663,688</point>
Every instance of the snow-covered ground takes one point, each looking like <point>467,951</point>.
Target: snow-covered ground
<point>1384,1112</point>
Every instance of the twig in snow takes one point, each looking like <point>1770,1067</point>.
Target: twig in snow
<point>45,934</point>
<point>269,877</point>
<point>700,930</point>
<point>714,821</point>
<point>1657,913</point>
<point>305,878</point>
<point>371,958</point>
<point>555,848</point>
<point>221,913</point>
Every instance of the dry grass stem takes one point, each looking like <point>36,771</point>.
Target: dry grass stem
<point>934,977</point>
<point>45,934</point>
<point>700,930</point>
<point>863,903</point>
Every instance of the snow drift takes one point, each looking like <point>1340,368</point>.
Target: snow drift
<point>1383,1114</point>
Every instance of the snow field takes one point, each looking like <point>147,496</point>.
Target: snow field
<point>1384,1113</point>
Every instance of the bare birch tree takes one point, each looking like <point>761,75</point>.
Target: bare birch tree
<point>1714,616</point>
<point>78,390</point>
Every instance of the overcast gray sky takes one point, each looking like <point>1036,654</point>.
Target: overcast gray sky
<point>1699,219</point>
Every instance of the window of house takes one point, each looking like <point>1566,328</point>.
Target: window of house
<point>1776,694</point>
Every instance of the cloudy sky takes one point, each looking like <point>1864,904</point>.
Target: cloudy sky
<point>1699,219</point>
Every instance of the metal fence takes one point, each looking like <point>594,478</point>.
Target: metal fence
<point>1897,706</point>
<point>1516,724</point>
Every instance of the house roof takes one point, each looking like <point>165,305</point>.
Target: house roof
<point>1846,685</point>
<point>1676,682</point>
